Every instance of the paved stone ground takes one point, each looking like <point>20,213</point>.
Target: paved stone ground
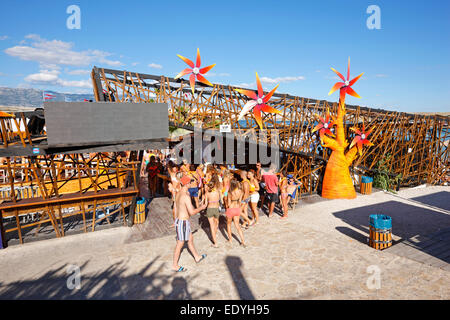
<point>319,252</point>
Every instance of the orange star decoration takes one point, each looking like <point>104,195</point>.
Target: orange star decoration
<point>361,138</point>
<point>196,72</point>
<point>346,86</point>
<point>6,115</point>
<point>324,125</point>
<point>258,102</point>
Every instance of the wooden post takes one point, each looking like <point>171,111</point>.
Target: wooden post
<point>4,133</point>
<point>11,180</point>
<point>133,201</point>
<point>94,214</point>
<point>3,243</point>
<point>84,215</point>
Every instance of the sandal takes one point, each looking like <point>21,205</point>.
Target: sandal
<point>202,257</point>
<point>181,269</point>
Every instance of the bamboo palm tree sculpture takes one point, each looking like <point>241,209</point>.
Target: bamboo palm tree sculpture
<point>337,183</point>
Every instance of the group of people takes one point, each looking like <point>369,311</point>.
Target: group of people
<point>219,190</point>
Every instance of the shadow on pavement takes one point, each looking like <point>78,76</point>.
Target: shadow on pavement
<point>439,200</point>
<point>111,283</point>
<point>408,221</point>
<point>234,265</point>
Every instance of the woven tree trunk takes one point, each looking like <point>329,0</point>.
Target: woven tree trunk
<point>337,183</point>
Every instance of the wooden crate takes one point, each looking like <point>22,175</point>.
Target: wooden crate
<point>366,188</point>
<point>139,215</point>
<point>380,239</point>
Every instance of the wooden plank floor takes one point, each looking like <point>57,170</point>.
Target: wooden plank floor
<point>432,249</point>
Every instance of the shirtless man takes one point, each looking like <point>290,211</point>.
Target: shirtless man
<point>184,210</point>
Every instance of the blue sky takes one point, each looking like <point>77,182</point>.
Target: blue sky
<point>406,63</point>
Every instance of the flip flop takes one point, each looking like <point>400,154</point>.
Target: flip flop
<point>181,269</point>
<point>203,257</point>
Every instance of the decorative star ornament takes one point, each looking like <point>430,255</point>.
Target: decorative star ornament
<point>6,115</point>
<point>196,72</point>
<point>258,102</point>
<point>324,125</point>
<point>361,138</point>
<point>346,85</point>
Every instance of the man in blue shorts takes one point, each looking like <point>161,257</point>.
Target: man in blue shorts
<point>183,211</point>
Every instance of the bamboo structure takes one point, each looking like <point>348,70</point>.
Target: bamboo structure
<point>44,185</point>
<point>418,144</point>
<point>38,190</point>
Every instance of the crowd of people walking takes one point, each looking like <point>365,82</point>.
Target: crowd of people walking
<point>216,190</point>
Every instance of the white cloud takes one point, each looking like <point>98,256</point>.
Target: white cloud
<point>51,54</point>
<point>281,79</point>
<point>78,72</point>
<point>42,77</point>
<point>155,66</point>
<point>51,77</point>
<point>3,37</point>
<point>135,64</point>
<point>75,83</point>
<point>271,81</point>
<point>83,91</point>
<point>223,74</point>
<point>246,85</point>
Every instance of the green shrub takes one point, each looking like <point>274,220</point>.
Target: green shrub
<point>382,179</point>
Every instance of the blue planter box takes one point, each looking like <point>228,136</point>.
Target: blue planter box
<point>380,221</point>
<point>365,179</point>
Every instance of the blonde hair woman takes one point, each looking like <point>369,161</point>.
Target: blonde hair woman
<point>254,195</point>
<point>213,197</point>
<point>233,212</point>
